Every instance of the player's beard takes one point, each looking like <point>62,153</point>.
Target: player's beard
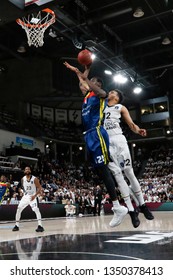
<point>27,173</point>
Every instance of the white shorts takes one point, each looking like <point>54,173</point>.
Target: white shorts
<point>119,153</point>
<point>26,200</point>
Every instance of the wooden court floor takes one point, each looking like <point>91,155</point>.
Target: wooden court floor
<point>88,237</point>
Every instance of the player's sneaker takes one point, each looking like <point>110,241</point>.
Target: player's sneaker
<point>39,229</point>
<point>134,218</point>
<point>119,214</point>
<point>16,228</point>
<point>144,209</point>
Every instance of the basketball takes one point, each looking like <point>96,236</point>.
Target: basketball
<point>84,57</point>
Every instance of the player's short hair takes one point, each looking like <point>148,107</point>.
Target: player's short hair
<point>27,166</point>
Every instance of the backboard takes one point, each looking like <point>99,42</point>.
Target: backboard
<point>25,3</point>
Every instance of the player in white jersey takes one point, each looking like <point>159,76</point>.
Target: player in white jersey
<point>120,154</point>
<point>32,189</point>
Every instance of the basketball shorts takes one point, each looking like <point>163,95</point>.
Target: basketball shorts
<point>97,144</point>
<point>119,153</point>
<point>26,200</point>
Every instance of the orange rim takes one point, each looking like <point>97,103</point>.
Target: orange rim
<point>47,10</point>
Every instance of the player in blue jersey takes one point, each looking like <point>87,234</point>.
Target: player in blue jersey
<point>96,137</point>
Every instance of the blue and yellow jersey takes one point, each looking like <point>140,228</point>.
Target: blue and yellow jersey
<point>3,184</point>
<point>3,188</point>
<point>92,111</point>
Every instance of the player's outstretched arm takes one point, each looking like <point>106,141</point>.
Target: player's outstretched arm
<point>135,128</point>
<point>84,87</point>
<point>76,70</point>
<point>71,67</point>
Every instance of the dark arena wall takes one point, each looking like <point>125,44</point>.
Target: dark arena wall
<point>8,212</point>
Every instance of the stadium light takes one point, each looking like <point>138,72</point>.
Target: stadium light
<point>108,72</point>
<point>93,56</point>
<point>119,78</point>
<point>137,89</point>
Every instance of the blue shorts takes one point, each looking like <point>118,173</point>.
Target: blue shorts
<point>97,144</point>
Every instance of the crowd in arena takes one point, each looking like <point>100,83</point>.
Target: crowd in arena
<point>157,178</point>
<point>66,181</point>
<point>62,181</point>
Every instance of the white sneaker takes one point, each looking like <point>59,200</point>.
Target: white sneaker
<point>119,214</point>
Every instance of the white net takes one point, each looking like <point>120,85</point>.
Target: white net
<point>35,26</point>
<point>35,36</point>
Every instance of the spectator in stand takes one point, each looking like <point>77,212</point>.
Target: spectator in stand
<point>88,201</point>
<point>14,199</point>
<point>171,195</point>
<point>81,204</point>
<point>12,145</point>
<point>97,200</point>
<point>163,198</point>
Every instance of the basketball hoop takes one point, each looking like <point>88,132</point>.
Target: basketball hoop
<point>35,26</point>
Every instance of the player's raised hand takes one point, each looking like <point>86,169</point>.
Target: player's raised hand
<point>72,68</point>
<point>142,132</point>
